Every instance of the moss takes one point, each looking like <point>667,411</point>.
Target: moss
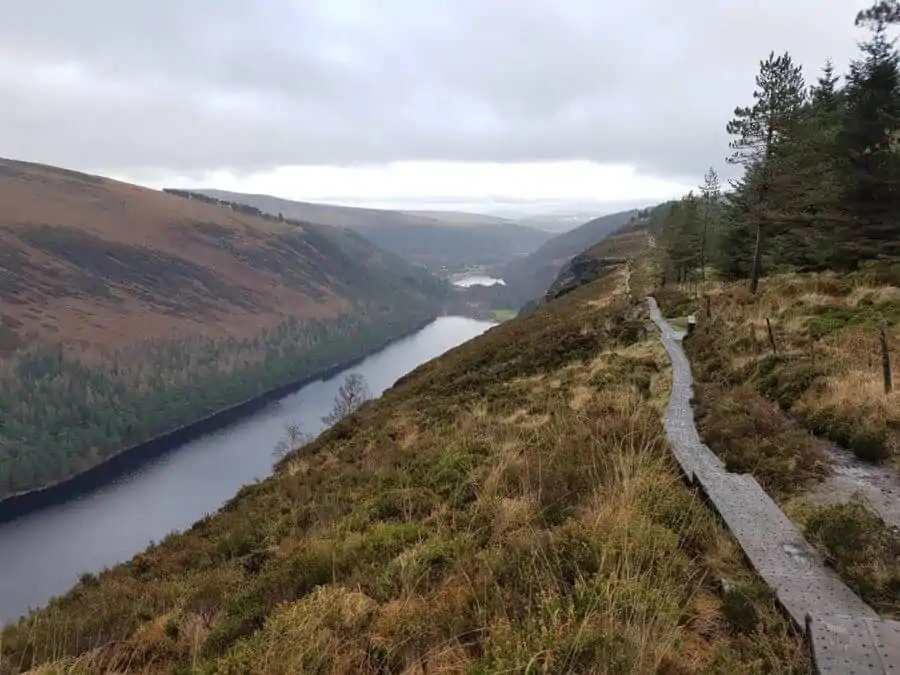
<point>786,381</point>
<point>863,549</point>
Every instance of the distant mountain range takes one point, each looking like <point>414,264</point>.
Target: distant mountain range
<point>434,239</point>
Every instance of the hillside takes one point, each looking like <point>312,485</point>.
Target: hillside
<point>126,312</point>
<point>508,507</point>
<point>606,257</point>
<point>528,277</point>
<point>461,218</point>
<point>454,240</point>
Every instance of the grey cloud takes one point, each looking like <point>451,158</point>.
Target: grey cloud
<point>205,84</point>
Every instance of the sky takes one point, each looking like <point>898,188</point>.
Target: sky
<point>475,104</point>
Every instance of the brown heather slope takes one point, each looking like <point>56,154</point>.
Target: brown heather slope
<point>87,258</point>
<point>509,507</point>
<point>126,312</point>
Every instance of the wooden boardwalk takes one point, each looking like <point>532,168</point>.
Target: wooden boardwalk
<point>846,635</point>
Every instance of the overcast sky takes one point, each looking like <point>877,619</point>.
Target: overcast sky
<point>398,101</point>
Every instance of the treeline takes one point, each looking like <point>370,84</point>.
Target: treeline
<point>820,172</point>
<point>234,206</point>
<point>64,414</point>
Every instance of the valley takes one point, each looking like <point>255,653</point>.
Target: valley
<point>45,550</point>
<point>442,242</point>
<point>127,312</point>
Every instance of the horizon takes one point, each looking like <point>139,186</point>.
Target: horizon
<point>381,106</point>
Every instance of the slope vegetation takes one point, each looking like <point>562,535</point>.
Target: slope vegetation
<point>454,240</point>
<point>126,312</point>
<point>528,277</point>
<point>508,507</point>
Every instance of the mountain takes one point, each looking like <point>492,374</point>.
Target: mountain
<point>604,258</point>
<point>529,276</point>
<point>509,507</point>
<point>556,222</point>
<point>462,219</point>
<point>125,312</point>
<point>454,240</point>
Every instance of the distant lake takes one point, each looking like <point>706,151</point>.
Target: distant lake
<point>42,554</point>
<point>479,280</point>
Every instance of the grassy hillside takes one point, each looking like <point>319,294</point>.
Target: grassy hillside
<point>530,276</point>
<point>454,240</point>
<point>125,312</point>
<point>508,507</point>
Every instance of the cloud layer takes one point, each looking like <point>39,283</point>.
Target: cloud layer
<point>175,87</point>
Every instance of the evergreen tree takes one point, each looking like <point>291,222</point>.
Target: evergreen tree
<point>682,236</point>
<point>871,167</point>
<point>763,134</point>
<point>806,237</point>
<point>710,191</point>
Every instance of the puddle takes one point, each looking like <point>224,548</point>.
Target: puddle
<point>879,486</point>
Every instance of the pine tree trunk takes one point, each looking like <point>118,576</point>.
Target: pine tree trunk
<point>757,259</point>
<point>703,251</point>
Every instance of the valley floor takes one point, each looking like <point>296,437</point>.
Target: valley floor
<point>509,507</point>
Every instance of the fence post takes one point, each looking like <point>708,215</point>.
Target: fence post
<point>885,358</point>
<point>771,337</point>
<point>708,307</point>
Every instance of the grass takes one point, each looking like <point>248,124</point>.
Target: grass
<point>509,507</point>
<point>860,547</point>
<point>772,414</point>
<point>505,314</point>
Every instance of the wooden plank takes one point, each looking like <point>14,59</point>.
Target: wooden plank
<point>854,646</point>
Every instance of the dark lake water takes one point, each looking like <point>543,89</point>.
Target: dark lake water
<point>42,554</point>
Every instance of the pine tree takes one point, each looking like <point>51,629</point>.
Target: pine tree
<point>763,133</point>
<point>872,168</point>
<point>682,236</point>
<point>806,237</point>
<point>710,192</point>
<point>883,12</point>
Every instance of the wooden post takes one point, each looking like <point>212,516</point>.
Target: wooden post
<point>771,337</point>
<point>708,307</point>
<point>885,358</point>
<point>691,324</point>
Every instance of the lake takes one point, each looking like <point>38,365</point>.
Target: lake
<point>479,280</point>
<point>42,554</point>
